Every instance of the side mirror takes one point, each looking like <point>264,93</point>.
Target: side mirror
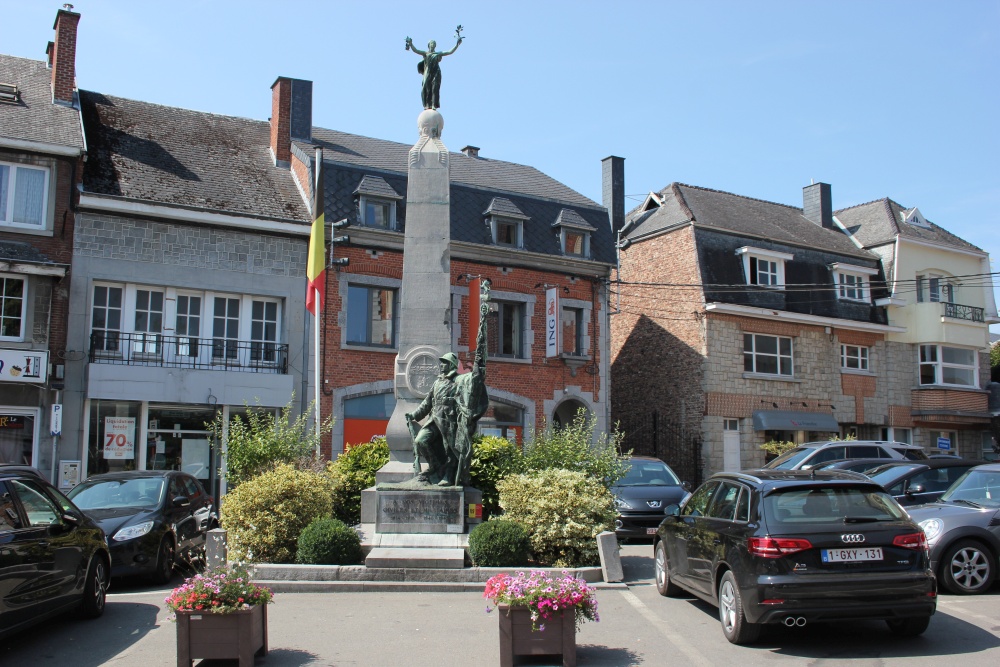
<point>686,486</point>
<point>673,509</point>
<point>180,501</point>
<point>915,488</point>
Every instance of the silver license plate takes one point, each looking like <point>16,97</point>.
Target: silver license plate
<point>851,555</point>
<point>651,531</point>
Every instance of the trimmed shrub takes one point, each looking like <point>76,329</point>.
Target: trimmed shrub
<point>499,543</point>
<point>574,447</point>
<point>562,512</point>
<point>352,472</point>
<point>493,459</point>
<point>265,515</point>
<point>329,541</point>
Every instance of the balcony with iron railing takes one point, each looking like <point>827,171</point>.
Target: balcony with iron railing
<point>959,312</point>
<point>211,354</point>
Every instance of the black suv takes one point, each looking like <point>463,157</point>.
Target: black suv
<point>52,557</point>
<point>795,547</point>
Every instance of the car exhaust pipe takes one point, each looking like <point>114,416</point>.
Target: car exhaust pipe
<point>795,621</point>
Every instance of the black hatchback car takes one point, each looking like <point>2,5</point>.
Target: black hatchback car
<point>640,496</point>
<point>52,557</point>
<point>796,547</point>
<point>153,518</point>
<point>919,482</point>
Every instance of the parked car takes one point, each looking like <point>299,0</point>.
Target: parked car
<point>153,518</point>
<point>796,547</point>
<point>810,454</point>
<point>919,482</point>
<point>963,531</point>
<point>648,487</point>
<point>854,465</point>
<point>52,557</point>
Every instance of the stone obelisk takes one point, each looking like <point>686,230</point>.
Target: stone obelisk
<point>425,298</point>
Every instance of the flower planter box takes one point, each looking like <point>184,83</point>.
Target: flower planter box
<point>517,637</point>
<point>238,635</point>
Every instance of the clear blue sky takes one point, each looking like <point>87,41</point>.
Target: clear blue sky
<point>896,99</point>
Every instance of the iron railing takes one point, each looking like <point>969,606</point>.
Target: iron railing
<point>959,312</point>
<point>211,354</point>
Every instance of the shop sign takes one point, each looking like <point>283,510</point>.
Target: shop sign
<point>11,421</point>
<point>119,437</point>
<point>551,322</point>
<point>24,366</point>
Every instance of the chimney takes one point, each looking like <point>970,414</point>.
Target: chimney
<point>291,116</point>
<point>817,204</point>
<point>613,190</point>
<point>471,151</point>
<point>62,56</point>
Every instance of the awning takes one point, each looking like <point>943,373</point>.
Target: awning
<point>793,420</point>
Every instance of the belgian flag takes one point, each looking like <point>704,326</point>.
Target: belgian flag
<point>316,266</point>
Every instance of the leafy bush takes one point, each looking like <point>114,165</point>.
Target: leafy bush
<point>258,441</point>
<point>352,472</point>
<point>775,448</point>
<point>265,515</point>
<point>499,543</point>
<point>329,541</point>
<point>562,512</point>
<point>493,459</point>
<point>572,447</point>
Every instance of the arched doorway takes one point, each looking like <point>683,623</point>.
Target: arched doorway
<point>566,412</point>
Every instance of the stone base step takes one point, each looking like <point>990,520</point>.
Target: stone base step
<point>416,558</point>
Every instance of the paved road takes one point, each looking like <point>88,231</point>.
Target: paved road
<point>638,627</point>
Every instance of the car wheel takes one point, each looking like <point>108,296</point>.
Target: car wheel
<point>95,588</point>
<point>909,627</point>
<point>967,568</point>
<point>164,562</point>
<point>663,584</point>
<point>734,623</point>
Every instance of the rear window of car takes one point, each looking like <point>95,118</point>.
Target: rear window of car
<point>911,454</point>
<point>801,505</point>
<point>791,458</point>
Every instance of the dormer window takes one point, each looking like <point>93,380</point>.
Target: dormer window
<point>765,268</point>
<point>913,217</point>
<point>852,282</point>
<point>377,203</point>
<point>506,222</point>
<point>574,233</point>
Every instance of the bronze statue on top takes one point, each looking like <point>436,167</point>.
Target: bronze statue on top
<point>455,404</point>
<point>430,67</point>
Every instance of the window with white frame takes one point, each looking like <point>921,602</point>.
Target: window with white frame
<point>23,195</point>
<point>940,364</point>
<point>507,231</point>
<point>12,300</point>
<point>854,357</point>
<point>378,213</point>
<point>934,288</point>
<point>372,315</point>
<point>106,318</point>
<point>148,328</point>
<point>767,355</point>
<point>765,268</point>
<point>505,339</point>
<point>572,331</point>
<point>187,325</point>
<point>852,282</point>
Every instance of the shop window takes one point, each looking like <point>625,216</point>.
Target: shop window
<point>17,434</point>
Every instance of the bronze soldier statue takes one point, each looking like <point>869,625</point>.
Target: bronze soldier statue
<point>455,403</point>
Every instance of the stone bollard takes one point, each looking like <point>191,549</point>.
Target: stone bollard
<point>611,558</point>
<point>216,555</point>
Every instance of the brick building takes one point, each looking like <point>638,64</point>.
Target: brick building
<point>41,162</point>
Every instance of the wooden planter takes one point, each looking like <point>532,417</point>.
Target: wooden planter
<point>517,637</point>
<point>240,635</point>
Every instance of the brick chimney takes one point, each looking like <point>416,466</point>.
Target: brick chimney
<point>62,56</point>
<point>471,151</point>
<point>613,190</point>
<point>817,204</point>
<point>291,116</point>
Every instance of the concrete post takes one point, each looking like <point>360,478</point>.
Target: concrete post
<point>216,553</point>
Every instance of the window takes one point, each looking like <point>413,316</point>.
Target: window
<point>765,268</point>
<point>854,357</point>
<point>576,243</point>
<point>894,434</point>
<point>148,322</point>
<point>572,329</point>
<point>187,325</point>
<point>39,507</point>
<point>728,500</point>
<point>769,355</point>
<point>506,231</point>
<point>697,504</point>
<point>940,364</point>
<point>990,450</point>
<point>11,308</point>
<point>505,338</point>
<point>23,195</point>
<point>371,316</point>
<point>380,213</point>
<point>264,331</point>
<point>106,318</point>
<point>852,281</point>
<point>932,288</point>
<point>226,328</point>
<point>574,233</point>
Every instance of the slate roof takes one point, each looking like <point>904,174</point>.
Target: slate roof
<point>166,155</point>
<point>724,211</point>
<point>879,221</point>
<point>376,186</point>
<point>503,206</point>
<point>35,117</point>
<point>14,251</point>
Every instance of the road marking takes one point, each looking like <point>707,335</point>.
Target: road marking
<point>682,644</point>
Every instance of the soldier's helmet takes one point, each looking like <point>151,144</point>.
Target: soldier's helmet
<point>451,358</point>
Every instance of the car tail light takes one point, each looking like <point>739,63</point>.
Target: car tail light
<point>915,541</point>
<point>776,547</point>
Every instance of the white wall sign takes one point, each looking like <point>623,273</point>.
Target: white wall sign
<point>24,366</point>
<point>55,422</point>
<point>552,322</point>
<point>119,437</point>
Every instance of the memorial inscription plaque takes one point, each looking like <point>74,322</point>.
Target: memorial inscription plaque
<point>424,511</point>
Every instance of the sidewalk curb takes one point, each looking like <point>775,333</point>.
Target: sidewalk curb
<point>286,586</point>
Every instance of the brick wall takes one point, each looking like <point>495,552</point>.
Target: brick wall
<point>281,119</point>
<point>949,399</point>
